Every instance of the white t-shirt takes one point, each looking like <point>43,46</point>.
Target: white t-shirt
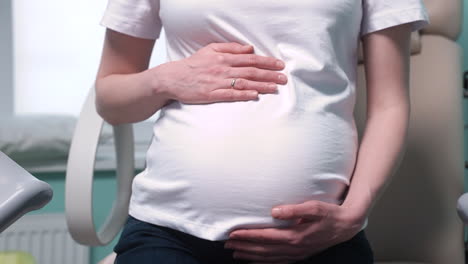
<point>214,168</point>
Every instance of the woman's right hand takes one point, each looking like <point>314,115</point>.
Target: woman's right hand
<point>206,76</point>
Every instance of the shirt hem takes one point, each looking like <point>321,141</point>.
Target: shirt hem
<point>135,29</point>
<point>417,16</point>
<point>203,231</point>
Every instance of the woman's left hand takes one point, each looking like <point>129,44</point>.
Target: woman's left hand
<point>319,225</point>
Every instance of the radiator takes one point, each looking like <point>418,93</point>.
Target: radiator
<point>46,238</point>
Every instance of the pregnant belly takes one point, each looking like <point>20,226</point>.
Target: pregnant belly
<point>244,168</point>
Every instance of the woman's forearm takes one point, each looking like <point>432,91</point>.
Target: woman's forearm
<point>381,150</point>
<point>128,98</point>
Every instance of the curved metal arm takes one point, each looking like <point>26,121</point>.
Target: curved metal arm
<point>462,208</point>
<point>80,174</point>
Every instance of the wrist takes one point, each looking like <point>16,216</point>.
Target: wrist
<point>157,84</point>
<point>356,211</point>
<point>355,216</point>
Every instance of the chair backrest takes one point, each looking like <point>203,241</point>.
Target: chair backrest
<point>416,219</point>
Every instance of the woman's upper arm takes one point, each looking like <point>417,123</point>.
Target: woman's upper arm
<point>386,62</point>
<point>124,54</point>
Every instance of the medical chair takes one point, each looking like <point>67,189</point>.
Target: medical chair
<point>20,193</point>
<point>414,222</point>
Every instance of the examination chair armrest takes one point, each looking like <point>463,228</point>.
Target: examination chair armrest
<point>80,174</point>
<point>462,208</point>
<point>20,192</point>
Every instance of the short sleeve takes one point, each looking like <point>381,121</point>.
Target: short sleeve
<point>381,14</point>
<point>137,18</point>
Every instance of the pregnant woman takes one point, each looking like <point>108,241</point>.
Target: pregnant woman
<point>255,157</point>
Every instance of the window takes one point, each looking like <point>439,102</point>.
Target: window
<point>57,48</point>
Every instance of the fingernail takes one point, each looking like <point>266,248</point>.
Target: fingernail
<point>253,93</point>
<point>282,77</point>
<point>277,211</point>
<point>280,64</point>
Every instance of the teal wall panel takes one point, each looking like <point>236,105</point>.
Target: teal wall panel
<point>463,39</point>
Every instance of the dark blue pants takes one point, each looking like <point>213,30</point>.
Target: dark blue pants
<point>145,243</point>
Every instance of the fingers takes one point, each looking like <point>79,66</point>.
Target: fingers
<point>237,55</point>
<point>243,90</point>
<point>252,60</point>
<point>268,250</point>
<point>232,95</point>
<point>262,87</point>
<point>217,64</point>
<point>260,75</point>
<point>289,235</point>
<point>231,47</point>
<point>310,210</point>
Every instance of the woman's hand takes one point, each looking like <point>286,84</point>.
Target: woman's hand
<point>206,76</point>
<point>319,226</point>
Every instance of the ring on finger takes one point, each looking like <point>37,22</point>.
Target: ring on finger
<point>233,82</point>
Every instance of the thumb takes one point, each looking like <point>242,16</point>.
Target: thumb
<point>309,210</point>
